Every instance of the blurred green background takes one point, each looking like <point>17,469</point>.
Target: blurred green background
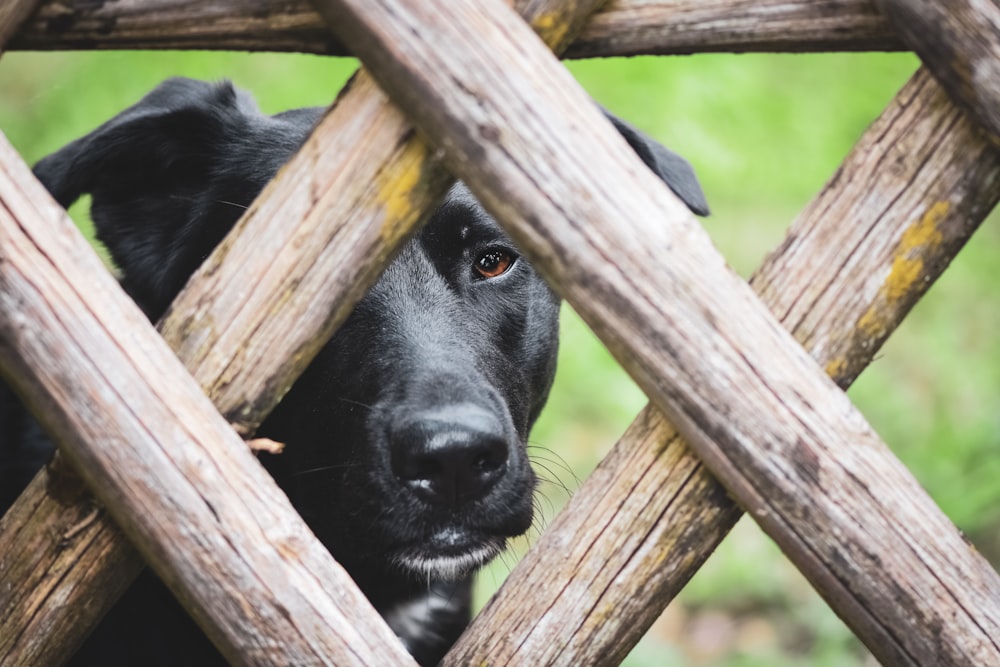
<point>764,132</point>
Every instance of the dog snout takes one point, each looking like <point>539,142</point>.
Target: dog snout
<point>449,456</point>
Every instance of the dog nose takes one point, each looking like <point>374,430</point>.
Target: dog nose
<point>449,456</point>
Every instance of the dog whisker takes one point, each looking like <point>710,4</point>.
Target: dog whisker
<point>544,518</point>
<point>553,457</point>
<point>540,518</point>
<point>553,477</point>
<point>548,510</point>
<point>353,402</point>
<point>312,471</point>
<point>232,203</point>
<point>503,557</point>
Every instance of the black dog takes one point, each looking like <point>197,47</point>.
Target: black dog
<point>406,436</point>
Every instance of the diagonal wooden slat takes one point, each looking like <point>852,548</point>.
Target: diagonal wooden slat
<point>623,27</point>
<point>183,486</point>
<point>54,588</point>
<point>760,414</point>
<point>958,42</point>
<point>13,14</point>
<point>870,244</point>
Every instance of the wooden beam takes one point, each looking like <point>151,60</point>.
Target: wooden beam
<point>667,27</point>
<point>958,42</point>
<point>758,411</point>
<point>13,14</point>
<point>623,27</point>
<point>51,595</point>
<point>853,263</point>
<point>165,465</point>
<point>54,588</point>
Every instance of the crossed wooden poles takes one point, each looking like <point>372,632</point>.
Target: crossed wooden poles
<point>756,413</point>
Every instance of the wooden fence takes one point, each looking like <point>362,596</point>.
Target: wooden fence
<point>739,411</point>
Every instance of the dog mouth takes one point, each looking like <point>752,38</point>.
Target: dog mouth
<point>449,554</point>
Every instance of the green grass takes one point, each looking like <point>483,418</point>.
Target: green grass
<point>764,133</point>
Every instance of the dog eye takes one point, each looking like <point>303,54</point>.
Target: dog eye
<point>493,263</point>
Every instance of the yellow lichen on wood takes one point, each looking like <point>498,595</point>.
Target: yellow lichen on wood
<point>551,28</point>
<point>835,368</point>
<point>908,265</point>
<point>396,187</point>
<point>907,270</point>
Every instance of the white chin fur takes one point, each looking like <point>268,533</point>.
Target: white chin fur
<point>449,567</point>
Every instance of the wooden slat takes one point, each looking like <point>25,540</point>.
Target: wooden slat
<point>13,14</point>
<point>958,41</point>
<point>854,262</point>
<point>623,27</point>
<point>173,474</point>
<point>661,27</point>
<point>48,540</point>
<point>330,248</point>
<point>760,413</point>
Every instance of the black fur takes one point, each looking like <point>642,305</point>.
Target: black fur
<point>405,437</point>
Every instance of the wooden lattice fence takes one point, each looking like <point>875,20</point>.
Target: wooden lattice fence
<point>756,413</point>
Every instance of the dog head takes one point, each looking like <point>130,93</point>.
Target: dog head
<point>406,436</point>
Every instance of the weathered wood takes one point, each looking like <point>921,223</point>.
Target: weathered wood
<point>13,14</point>
<point>623,27</point>
<point>250,25</point>
<point>861,253</point>
<point>55,530</point>
<point>168,468</point>
<point>660,27</point>
<point>362,181</point>
<point>342,205</point>
<point>760,413</point>
<point>958,41</point>
<point>926,169</point>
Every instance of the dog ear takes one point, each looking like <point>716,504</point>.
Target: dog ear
<point>672,169</point>
<point>167,131</point>
<point>168,178</point>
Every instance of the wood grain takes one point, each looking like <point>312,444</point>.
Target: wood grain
<point>661,27</point>
<point>314,241</point>
<point>50,541</point>
<point>622,27</point>
<point>170,471</point>
<point>958,41</point>
<point>649,516</point>
<point>758,411</point>
<point>13,14</point>
<point>344,203</point>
